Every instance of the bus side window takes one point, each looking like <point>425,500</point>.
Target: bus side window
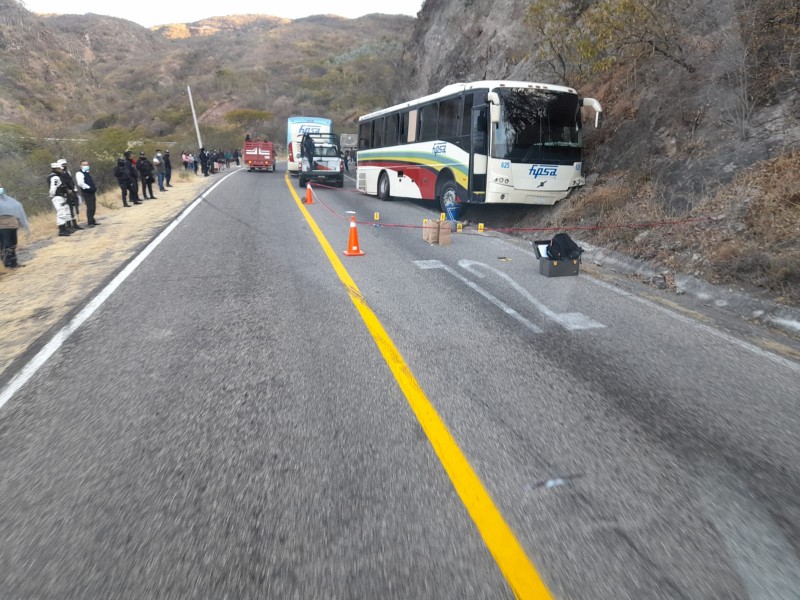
<point>377,133</point>
<point>448,120</point>
<point>429,117</point>
<point>480,128</point>
<point>363,136</point>
<point>412,126</point>
<point>402,138</point>
<point>466,121</point>
<point>391,129</point>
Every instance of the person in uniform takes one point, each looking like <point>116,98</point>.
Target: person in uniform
<point>73,200</point>
<point>145,168</point>
<point>134,175</point>
<point>58,196</point>
<point>167,169</point>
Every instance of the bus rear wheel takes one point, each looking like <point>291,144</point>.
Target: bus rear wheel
<point>448,199</point>
<point>383,187</point>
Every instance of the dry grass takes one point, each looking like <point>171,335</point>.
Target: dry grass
<point>754,242</point>
<point>62,272</point>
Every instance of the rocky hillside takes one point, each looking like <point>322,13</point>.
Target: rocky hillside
<point>688,120</point>
<point>702,117</point>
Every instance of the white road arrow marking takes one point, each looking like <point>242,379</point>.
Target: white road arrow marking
<point>436,264</point>
<point>569,321</point>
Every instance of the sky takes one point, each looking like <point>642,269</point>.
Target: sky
<point>161,12</point>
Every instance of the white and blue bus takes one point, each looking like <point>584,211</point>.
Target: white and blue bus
<point>295,128</point>
<point>493,142</point>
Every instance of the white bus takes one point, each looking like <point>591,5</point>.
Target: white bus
<point>295,128</point>
<point>504,142</point>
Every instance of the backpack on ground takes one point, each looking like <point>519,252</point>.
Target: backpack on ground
<point>562,247</point>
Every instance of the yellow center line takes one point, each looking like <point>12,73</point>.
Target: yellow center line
<point>516,567</point>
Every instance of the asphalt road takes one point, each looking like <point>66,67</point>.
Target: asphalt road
<point>225,426</point>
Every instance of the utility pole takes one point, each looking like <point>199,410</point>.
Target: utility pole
<point>194,116</point>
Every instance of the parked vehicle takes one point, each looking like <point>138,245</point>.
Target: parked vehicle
<point>259,155</point>
<point>296,127</point>
<point>321,159</point>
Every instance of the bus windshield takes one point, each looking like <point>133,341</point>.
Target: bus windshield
<point>538,126</point>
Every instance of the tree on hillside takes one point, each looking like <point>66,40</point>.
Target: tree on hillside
<point>574,43</point>
<point>249,119</point>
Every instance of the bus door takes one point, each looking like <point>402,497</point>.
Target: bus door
<point>479,153</point>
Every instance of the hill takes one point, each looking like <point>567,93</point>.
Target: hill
<point>116,84</point>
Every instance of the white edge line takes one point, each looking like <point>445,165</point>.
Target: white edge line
<point>30,369</point>
<point>676,315</point>
<point>707,328</point>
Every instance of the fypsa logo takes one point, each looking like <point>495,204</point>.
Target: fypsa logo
<point>309,129</point>
<point>543,171</point>
<point>439,148</point>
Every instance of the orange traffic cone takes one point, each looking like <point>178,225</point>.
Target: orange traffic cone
<point>309,194</point>
<point>353,248</point>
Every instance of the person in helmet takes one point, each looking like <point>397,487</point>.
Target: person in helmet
<point>145,168</point>
<point>123,178</point>
<point>73,200</point>
<point>134,174</point>
<point>58,196</point>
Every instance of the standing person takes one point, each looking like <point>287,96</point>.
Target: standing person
<point>73,200</point>
<point>347,161</point>
<point>58,196</point>
<point>158,163</point>
<point>87,191</point>
<point>204,161</point>
<point>12,217</point>
<point>145,168</point>
<point>236,156</point>
<point>167,169</point>
<point>123,179</point>
<point>133,173</point>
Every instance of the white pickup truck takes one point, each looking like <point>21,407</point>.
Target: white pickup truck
<point>321,159</point>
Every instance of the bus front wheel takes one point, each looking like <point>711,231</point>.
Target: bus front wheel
<point>383,187</point>
<point>448,199</point>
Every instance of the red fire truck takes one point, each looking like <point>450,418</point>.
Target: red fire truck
<point>258,155</point>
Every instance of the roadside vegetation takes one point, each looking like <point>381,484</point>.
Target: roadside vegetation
<point>619,47</point>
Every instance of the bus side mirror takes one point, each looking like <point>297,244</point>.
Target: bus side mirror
<point>598,110</point>
<point>494,107</point>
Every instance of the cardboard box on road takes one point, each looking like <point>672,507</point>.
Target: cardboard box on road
<point>445,233</point>
<point>430,231</point>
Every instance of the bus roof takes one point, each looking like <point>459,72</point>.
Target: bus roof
<point>321,120</point>
<point>455,88</point>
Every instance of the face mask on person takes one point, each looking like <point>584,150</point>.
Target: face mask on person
<point>158,153</point>
<point>85,168</point>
